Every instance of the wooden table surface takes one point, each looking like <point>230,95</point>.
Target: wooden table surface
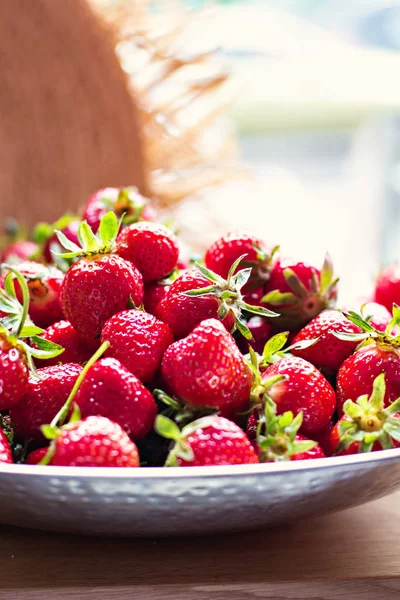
<point>354,555</point>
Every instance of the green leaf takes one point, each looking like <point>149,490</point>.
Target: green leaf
<point>297,287</point>
<point>48,456</point>
<point>257,310</point>
<point>386,441</point>
<point>351,337</point>
<point>276,298</point>
<point>303,446</point>
<point>296,423</point>
<point>89,241</point>
<point>302,345</point>
<point>365,446</point>
<point>353,410</point>
<point>378,393</point>
<point>165,399</point>
<point>66,243</point>
<point>243,329</point>
<point>393,408</point>
<point>30,331</point>
<point>274,344</point>
<point>46,345</point>
<point>210,289</point>
<point>167,428</point>
<point>210,275</point>
<point>108,229</point>
<point>42,232</point>
<point>359,321</point>
<point>286,419</point>
<point>241,278</point>
<point>76,414</point>
<point>326,273</point>
<point>392,427</point>
<point>234,266</point>
<point>50,432</point>
<point>9,286</point>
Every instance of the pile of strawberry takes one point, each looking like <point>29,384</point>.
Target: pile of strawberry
<point>117,350</point>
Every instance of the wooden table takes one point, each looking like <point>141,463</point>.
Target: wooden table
<point>354,555</point>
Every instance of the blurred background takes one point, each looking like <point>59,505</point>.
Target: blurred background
<point>284,123</point>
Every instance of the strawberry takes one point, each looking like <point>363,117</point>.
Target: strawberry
<point>260,330</point>
<point>207,369</point>
<point>138,340</point>
<point>36,456</point>
<point>200,294</point>
<point>44,284</point>
<point>278,438</point>
<point>46,394</point>
<point>100,284</point>
<point>376,315</point>
<point>127,203</point>
<point>5,449</point>
<point>209,441</point>
<point>227,249</point>
<point>63,334</point>
<point>387,286</point>
<point>366,425</point>
<point>110,390</point>
<point>16,353</point>
<point>379,352</point>
<point>297,386</point>
<point>328,352</point>
<point>299,291</point>
<point>323,438</point>
<point>18,251</point>
<point>152,248</point>
<point>154,292</point>
<point>92,442</point>
<point>69,226</point>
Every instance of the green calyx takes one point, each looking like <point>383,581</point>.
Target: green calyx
<point>181,412</point>
<point>369,334</point>
<point>170,430</point>
<point>368,422</point>
<point>128,206</point>
<point>261,267</point>
<point>43,231</point>
<point>16,325</point>
<point>91,244</point>
<point>53,430</point>
<point>302,304</point>
<point>276,435</point>
<point>228,293</point>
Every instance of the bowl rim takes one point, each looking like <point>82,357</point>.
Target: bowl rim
<point>232,471</point>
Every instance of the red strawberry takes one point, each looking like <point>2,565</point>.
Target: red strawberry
<point>207,369</point>
<point>93,442</point>
<point>5,449</point>
<point>13,371</point>
<point>18,251</point>
<point>277,437</point>
<point>227,249</point>
<point>111,391</point>
<point>209,441</point>
<point>379,353</point>
<point>255,296</point>
<point>15,353</point>
<point>138,340</point>
<point>260,329</point>
<point>387,286</point>
<point>63,334</point>
<point>377,315</point>
<point>100,284</point>
<point>154,292</point>
<point>323,438</point>
<point>46,394</point>
<point>329,351</point>
<point>152,248</point>
<point>200,294</point>
<point>44,285</point>
<point>304,390</point>
<point>299,291</point>
<point>366,425</point>
<point>126,202</point>
<point>36,456</point>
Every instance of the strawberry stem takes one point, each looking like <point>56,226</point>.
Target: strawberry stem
<point>25,298</point>
<point>62,414</point>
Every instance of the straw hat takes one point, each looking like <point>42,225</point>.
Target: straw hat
<point>93,97</point>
